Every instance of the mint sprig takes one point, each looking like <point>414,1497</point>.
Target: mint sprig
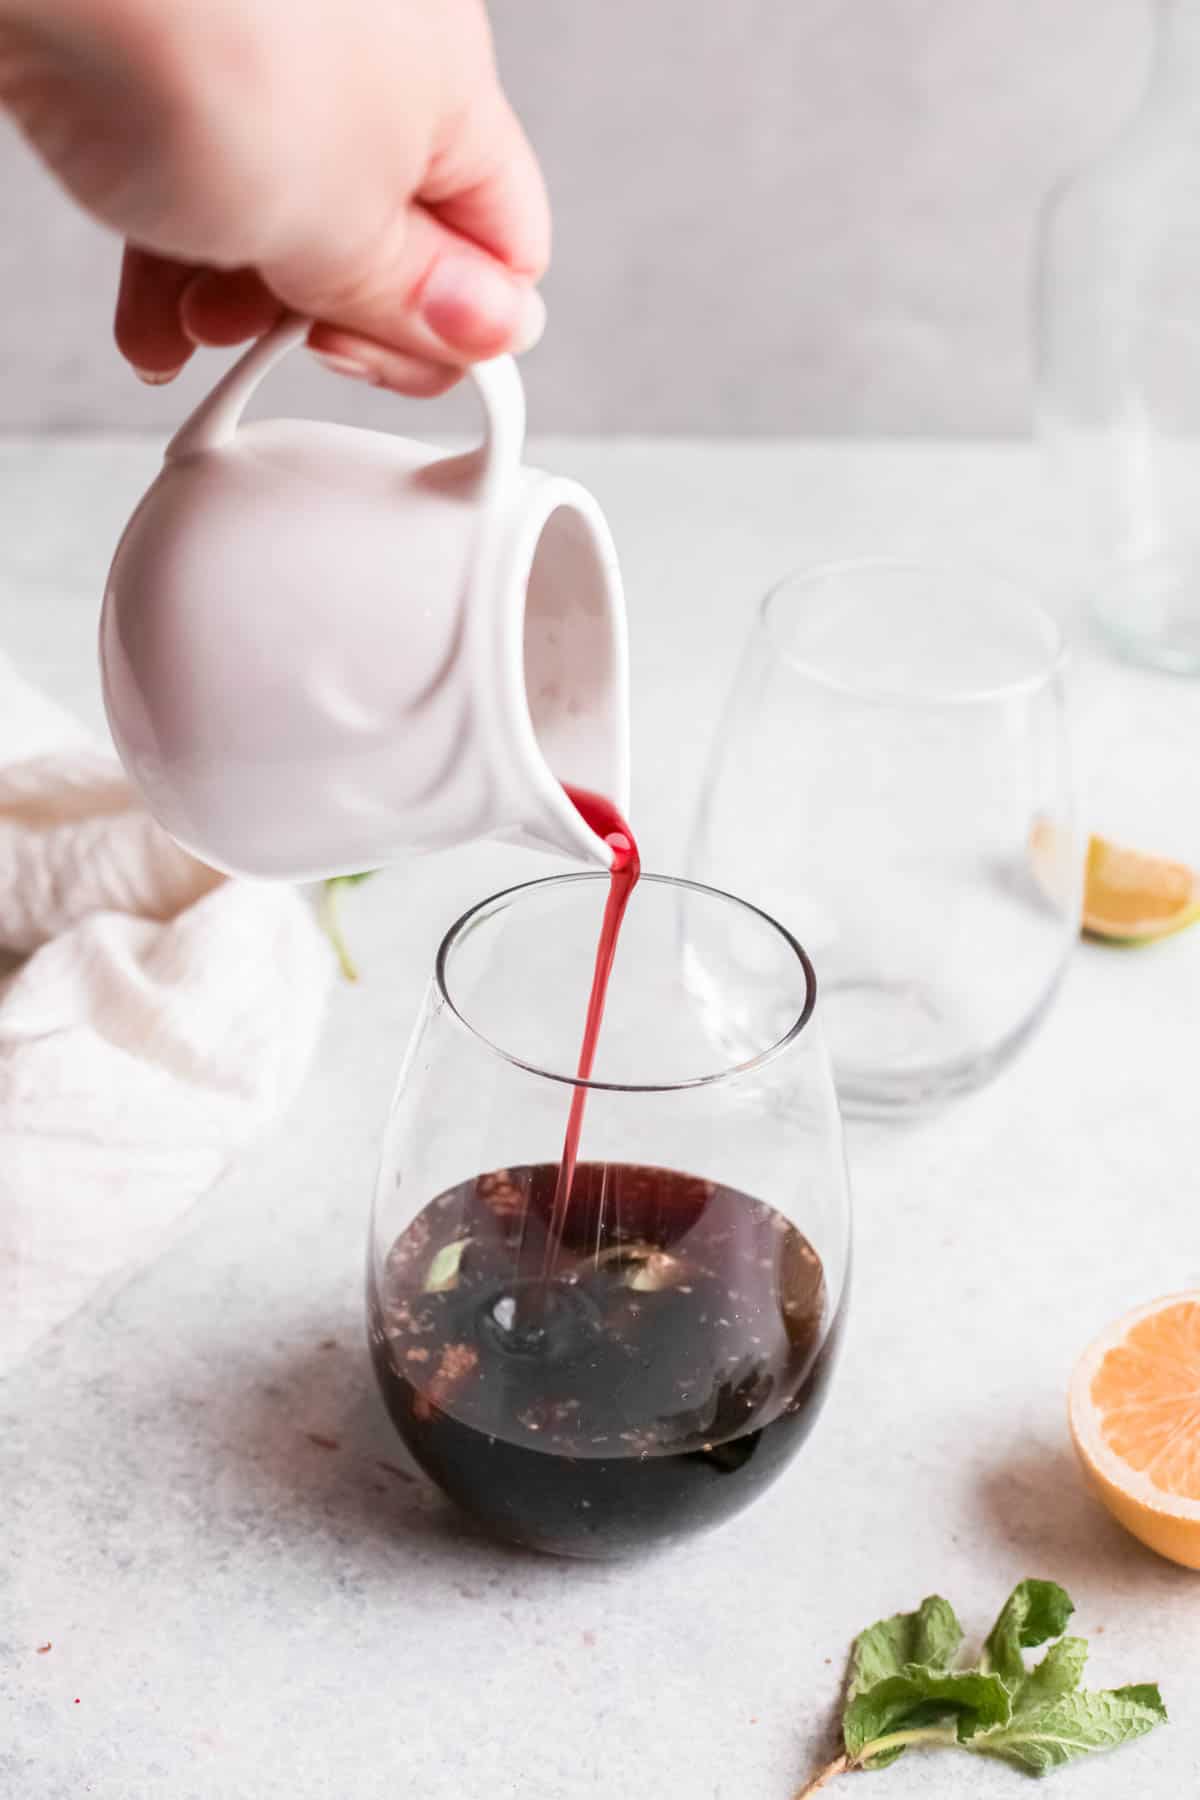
<point>330,922</point>
<point>902,1690</point>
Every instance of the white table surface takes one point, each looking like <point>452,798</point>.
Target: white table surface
<point>240,1612</point>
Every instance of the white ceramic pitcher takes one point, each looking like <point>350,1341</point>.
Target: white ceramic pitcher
<point>322,647</point>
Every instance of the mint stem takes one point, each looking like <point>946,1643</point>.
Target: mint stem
<point>838,1766</point>
<point>892,1740</point>
<point>899,1740</point>
<point>327,915</point>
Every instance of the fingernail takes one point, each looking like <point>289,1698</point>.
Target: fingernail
<point>531,322</point>
<point>473,305</point>
<point>157,377</point>
<point>343,365</point>
<point>187,299</point>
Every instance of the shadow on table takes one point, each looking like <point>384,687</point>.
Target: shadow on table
<point>298,1442</point>
<point>1035,1499</point>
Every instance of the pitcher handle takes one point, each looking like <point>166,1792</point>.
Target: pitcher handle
<point>215,421</point>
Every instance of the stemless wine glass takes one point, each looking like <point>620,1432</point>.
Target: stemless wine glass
<point>891,779</point>
<point>648,1373</point>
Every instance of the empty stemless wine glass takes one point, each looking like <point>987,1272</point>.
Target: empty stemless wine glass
<point>652,1371</point>
<point>891,779</point>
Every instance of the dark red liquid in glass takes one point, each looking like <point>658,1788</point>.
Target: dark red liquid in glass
<point>674,1363</point>
<point>594,1357</point>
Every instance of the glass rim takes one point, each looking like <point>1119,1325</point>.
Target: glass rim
<point>750,1064</point>
<point>1056,648</point>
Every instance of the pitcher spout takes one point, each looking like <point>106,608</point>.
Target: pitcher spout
<point>563,681</point>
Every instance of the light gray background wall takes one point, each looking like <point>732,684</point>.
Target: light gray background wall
<point>801,216</point>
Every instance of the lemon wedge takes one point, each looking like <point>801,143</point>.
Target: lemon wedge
<point>1130,898</point>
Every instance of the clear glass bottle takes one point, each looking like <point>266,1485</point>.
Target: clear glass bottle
<point>1118,333</point>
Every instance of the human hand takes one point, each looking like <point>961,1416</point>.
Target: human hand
<point>355,162</point>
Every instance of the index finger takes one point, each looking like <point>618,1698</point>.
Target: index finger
<point>147,325</point>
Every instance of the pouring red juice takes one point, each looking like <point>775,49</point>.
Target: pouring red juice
<point>623,1352</point>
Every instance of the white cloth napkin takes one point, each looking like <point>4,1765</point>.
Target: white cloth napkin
<point>153,1016</point>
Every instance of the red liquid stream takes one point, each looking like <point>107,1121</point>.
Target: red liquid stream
<point>604,819</point>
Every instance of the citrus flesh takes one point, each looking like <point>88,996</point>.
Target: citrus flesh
<point>1135,1419</point>
<point>1132,898</point>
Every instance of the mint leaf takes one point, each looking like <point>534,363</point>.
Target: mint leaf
<point>1046,1737</point>
<point>1059,1672</point>
<point>1034,1612</point>
<point>443,1270</point>
<point>930,1635</point>
<point>901,1691</point>
<point>918,1697</point>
